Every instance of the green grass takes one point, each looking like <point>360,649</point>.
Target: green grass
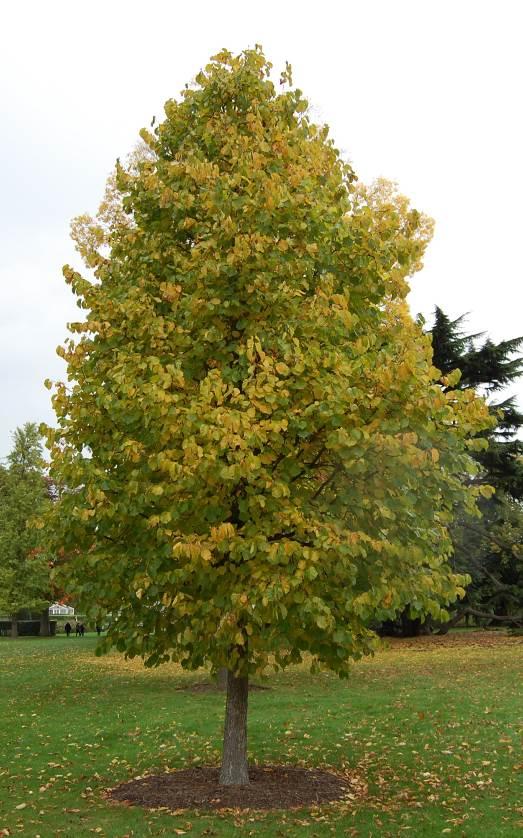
<point>432,728</point>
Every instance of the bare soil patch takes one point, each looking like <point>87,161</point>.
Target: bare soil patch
<point>211,687</point>
<point>270,787</point>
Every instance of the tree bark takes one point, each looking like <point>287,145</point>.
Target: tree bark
<point>14,626</point>
<point>445,628</point>
<point>410,626</point>
<point>221,678</point>
<point>45,629</point>
<point>234,771</point>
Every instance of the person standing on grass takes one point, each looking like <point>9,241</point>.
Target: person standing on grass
<point>82,629</point>
<point>98,630</point>
<point>68,629</point>
<point>77,629</point>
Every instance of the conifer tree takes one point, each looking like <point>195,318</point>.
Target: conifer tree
<point>489,367</point>
<point>490,549</point>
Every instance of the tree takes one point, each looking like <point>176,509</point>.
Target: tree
<point>490,549</point>
<point>251,441</point>
<point>491,552</point>
<point>487,549</point>
<point>489,367</point>
<point>24,569</point>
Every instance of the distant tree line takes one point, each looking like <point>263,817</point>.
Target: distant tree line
<point>25,492</point>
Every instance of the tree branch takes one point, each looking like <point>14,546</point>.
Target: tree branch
<point>487,536</point>
<point>516,618</point>
<point>326,483</point>
<point>279,536</point>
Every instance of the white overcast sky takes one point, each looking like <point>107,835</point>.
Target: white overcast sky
<point>424,93</point>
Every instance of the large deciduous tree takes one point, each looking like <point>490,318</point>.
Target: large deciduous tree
<point>256,457</point>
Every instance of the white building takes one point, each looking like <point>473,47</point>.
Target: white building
<point>59,610</point>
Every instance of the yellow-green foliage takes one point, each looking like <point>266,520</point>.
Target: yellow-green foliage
<point>257,457</point>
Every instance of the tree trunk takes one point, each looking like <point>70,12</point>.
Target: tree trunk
<point>426,625</point>
<point>410,626</point>
<point>221,678</point>
<point>45,629</point>
<point>445,628</point>
<point>234,770</point>
<point>14,626</point>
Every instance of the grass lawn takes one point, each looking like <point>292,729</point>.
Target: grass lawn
<point>431,725</point>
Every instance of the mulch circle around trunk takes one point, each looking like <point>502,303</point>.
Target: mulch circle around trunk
<point>210,687</point>
<point>270,787</point>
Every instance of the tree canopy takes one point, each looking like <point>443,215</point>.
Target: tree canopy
<point>490,550</point>
<point>258,458</point>
<point>24,569</point>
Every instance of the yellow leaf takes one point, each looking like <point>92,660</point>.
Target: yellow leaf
<point>283,369</point>
<point>221,532</point>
